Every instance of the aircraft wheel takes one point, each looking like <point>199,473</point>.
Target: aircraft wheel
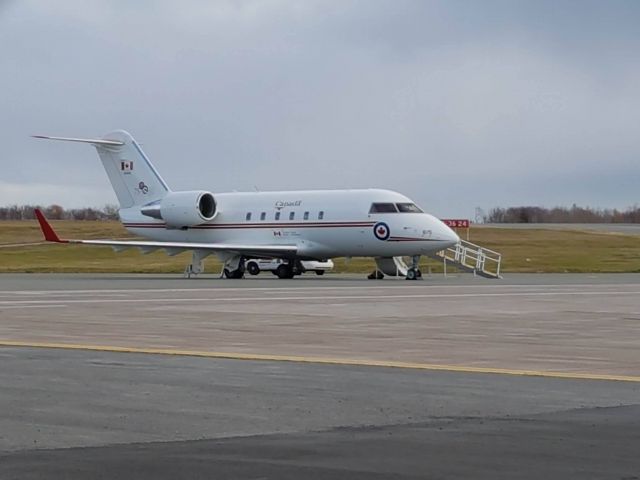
<point>418,273</point>
<point>284,271</point>
<point>376,275</point>
<point>319,272</point>
<point>412,274</point>
<point>236,274</point>
<point>253,268</point>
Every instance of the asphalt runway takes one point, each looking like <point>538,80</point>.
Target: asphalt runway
<point>113,376</point>
<point>621,228</point>
<point>552,323</point>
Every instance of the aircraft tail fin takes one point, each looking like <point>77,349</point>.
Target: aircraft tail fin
<point>132,175</point>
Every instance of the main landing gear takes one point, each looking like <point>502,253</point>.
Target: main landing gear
<point>284,270</point>
<point>236,267</point>
<point>236,274</point>
<point>234,270</point>
<point>289,269</point>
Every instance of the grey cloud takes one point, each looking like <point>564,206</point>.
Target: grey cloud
<point>456,104</point>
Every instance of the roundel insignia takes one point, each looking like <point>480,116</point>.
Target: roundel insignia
<point>381,231</point>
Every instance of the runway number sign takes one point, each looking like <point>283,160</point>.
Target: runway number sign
<point>456,223</point>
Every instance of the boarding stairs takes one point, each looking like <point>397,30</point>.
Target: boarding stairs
<point>470,257</point>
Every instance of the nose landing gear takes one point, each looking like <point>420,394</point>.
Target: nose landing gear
<point>414,273</point>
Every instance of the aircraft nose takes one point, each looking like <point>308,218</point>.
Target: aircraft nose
<point>443,233</point>
<point>449,235</point>
<point>440,232</point>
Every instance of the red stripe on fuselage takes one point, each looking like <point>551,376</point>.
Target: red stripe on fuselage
<point>230,226</point>
<point>410,239</point>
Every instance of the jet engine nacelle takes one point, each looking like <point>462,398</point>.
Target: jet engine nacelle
<point>183,209</point>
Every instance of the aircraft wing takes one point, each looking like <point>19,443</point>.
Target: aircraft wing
<point>172,248</point>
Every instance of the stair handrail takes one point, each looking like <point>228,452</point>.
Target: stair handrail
<point>477,255</point>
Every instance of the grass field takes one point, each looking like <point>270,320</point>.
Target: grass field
<point>522,251</point>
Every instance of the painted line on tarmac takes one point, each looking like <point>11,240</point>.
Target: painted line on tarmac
<point>368,287</point>
<point>326,361</point>
<point>319,298</point>
<point>229,289</point>
<point>48,305</point>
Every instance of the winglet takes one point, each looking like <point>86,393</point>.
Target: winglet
<point>49,233</point>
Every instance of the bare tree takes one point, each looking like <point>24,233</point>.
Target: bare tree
<point>574,214</point>
<point>56,212</point>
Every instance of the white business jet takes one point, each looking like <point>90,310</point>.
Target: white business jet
<point>294,226</point>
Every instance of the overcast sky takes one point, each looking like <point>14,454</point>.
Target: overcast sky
<point>456,104</point>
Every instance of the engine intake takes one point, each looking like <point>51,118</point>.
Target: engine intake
<point>183,209</point>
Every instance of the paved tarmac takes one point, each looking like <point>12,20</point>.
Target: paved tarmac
<point>552,323</point>
<point>330,410</point>
<point>51,282</point>
<point>247,419</point>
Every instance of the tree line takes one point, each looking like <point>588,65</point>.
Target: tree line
<point>574,214</point>
<point>56,212</point>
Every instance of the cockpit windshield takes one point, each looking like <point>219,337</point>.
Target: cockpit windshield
<point>395,208</point>
<point>383,208</point>
<point>408,208</point>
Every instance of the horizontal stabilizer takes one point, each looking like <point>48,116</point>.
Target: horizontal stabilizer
<point>110,143</point>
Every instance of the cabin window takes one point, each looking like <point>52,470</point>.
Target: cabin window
<point>248,216</point>
<point>320,215</point>
<point>306,215</point>
<point>383,208</point>
<point>408,208</point>
<point>263,216</point>
<point>292,215</point>
<point>277,215</point>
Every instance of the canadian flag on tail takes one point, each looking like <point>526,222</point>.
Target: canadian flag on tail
<point>126,165</point>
